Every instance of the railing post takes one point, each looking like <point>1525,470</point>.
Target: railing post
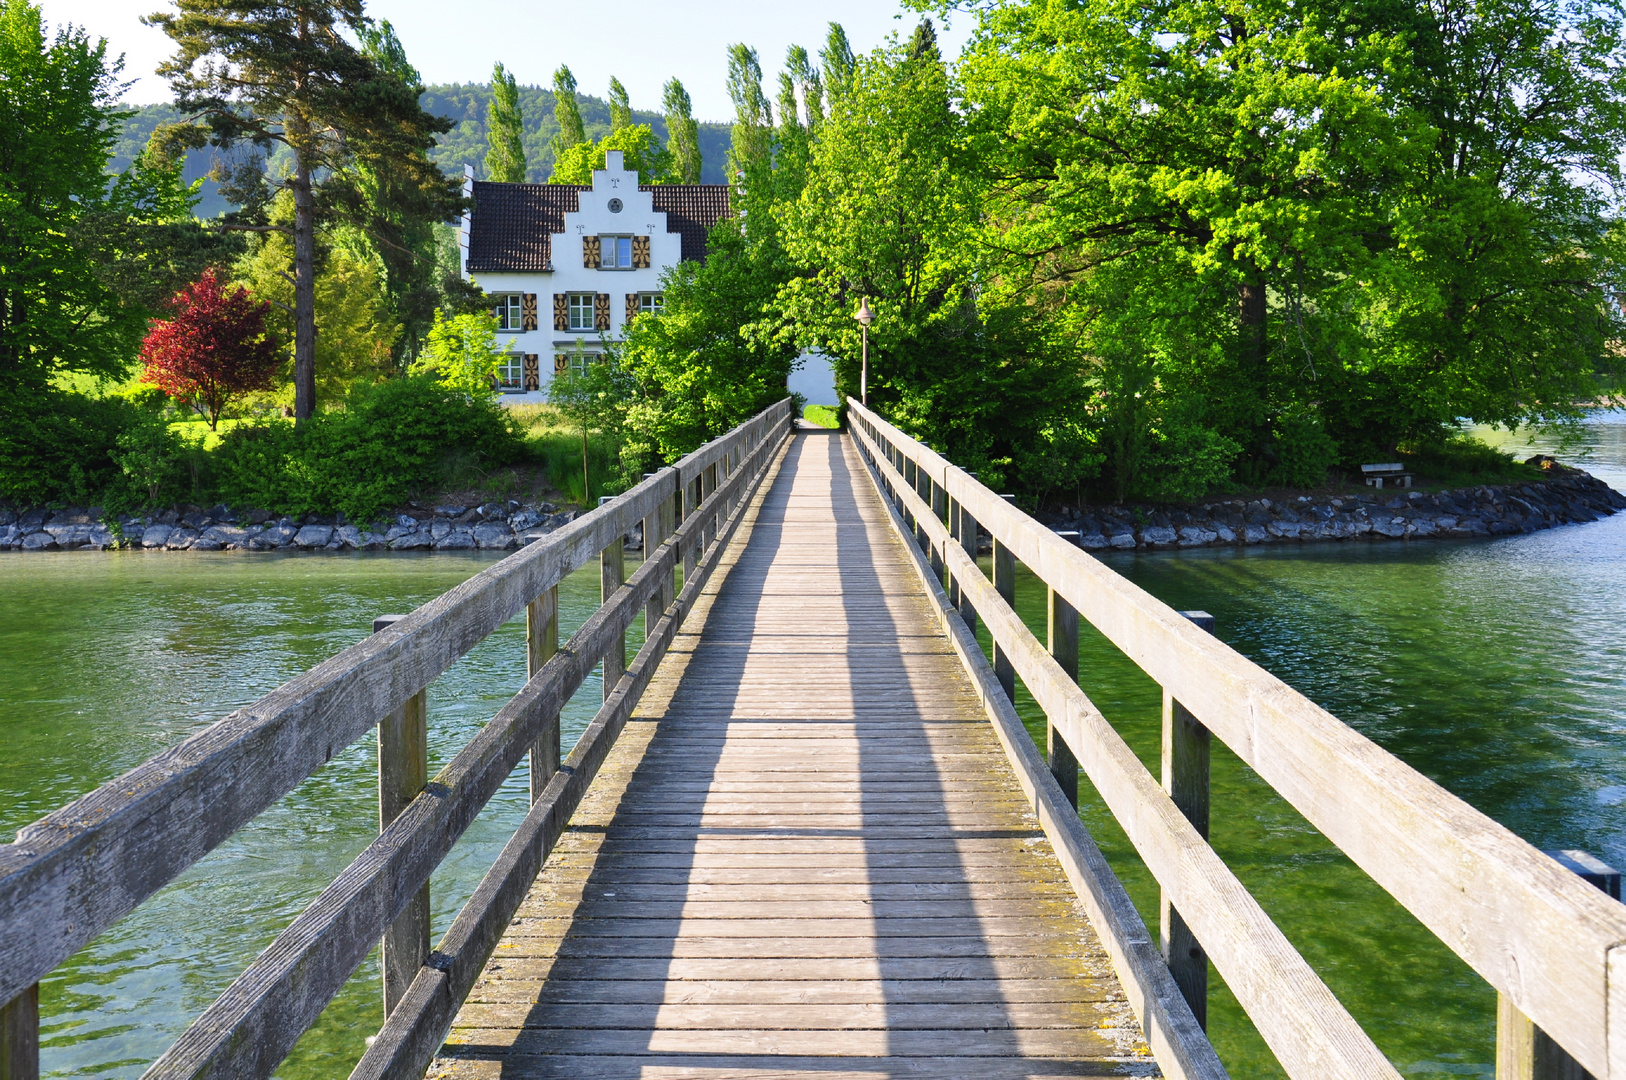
<point>20,1036</point>
<point>403,770</point>
<point>1185,777</point>
<point>1005,585</point>
<point>1063,640</point>
<point>1524,1051</point>
<point>612,573</point>
<point>969,539</point>
<point>541,642</point>
<point>939,501</point>
<point>691,550</point>
<point>654,532</point>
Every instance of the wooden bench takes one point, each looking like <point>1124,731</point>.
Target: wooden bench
<point>1375,475</point>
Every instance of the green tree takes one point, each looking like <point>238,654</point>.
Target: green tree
<point>806,78</point>
<point>838,60</point>
<point>269,72</point>
<point>462,355</point>
<point>620,105</point>
<point>682,134</point>
<point>790,160</point>
<point>751,151</point>
<point>566,113</point>
<point>505,130</point>
<point>73,265</point>
<point>593,398</point>
<point>640,151</point>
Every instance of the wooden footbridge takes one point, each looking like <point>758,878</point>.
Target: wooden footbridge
<point>807,834</point>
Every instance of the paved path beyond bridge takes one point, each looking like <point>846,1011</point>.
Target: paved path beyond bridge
<point>807,855</point>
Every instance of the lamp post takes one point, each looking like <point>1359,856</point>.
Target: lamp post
<point>864,317</point>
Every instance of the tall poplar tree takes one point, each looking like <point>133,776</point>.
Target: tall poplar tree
<point>837,56</point>
<point>283,72</point>
<point>806,78</point>
<point>751,149</point>
<point>620,106</point>
<point>566,112</point>
<point>682,133</point>
<point>505,131</point>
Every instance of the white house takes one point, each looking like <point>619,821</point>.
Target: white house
<point>568,267</point>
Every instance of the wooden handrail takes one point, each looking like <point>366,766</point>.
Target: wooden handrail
<point>80,869</point>
<point>1538,934</point>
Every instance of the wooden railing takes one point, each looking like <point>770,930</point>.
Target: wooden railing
<point>79,870</point>
<point>1552,945</point>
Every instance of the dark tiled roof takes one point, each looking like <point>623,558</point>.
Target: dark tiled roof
<point>691,210</point>
<point>513,224</point>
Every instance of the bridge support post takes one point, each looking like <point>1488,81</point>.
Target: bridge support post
<point>1186,744</point>
<point>1524,1051</point>
<point>1063,640</point>
<point>612,573</point>
<point>1005,585</point>
<point>20,1036</point>
<point>403,770</point>
<point>541,642</point>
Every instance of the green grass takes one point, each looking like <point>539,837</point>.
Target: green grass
<point>557,447</point>
<point>196,432</point>
<point>826,416</point>
<point>1463,461</point>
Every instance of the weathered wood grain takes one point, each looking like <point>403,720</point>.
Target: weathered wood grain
<point>403,770</point>
<point>20,1036</point>
<point>1529,928</point>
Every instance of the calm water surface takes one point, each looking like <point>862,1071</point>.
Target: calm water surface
<point>1494,667</point>
<point>108,657</point>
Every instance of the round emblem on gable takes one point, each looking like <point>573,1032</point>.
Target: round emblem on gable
<point>615,206</point>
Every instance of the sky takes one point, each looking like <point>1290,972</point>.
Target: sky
<point>644,43</point>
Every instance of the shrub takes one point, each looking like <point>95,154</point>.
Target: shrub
<point>57,446</point>
<point>1304,450</point>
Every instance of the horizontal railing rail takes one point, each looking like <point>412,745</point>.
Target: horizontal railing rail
<point>78,870</point>
<point>1553,945</point>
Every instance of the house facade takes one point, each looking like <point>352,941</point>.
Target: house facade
<point>567,267</point>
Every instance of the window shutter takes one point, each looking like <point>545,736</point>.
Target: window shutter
<point>632,306</point>
<point>560,360</point>
<point>590,252</point>
<point>640,253</point>
<point>601,311</point>
<point>561,311</point>
<point>527,311</point>
<point>533,374</point>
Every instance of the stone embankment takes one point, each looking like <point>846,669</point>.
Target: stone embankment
<point>1564,496</point>
<point>491,526</point>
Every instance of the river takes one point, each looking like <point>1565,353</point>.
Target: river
<point>1494,667</point>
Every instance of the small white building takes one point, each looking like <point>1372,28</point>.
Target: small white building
<point>567,267</point>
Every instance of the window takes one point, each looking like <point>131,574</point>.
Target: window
<point>651,302</point>
<point>581,311</point>
<point>508,311</point>
<point>615,253</point>
<point>511,373</point>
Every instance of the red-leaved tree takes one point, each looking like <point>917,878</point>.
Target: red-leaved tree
<point>213,348</point>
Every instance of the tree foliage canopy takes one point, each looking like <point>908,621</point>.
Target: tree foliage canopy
<point>213,347</point>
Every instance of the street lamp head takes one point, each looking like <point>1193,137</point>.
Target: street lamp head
<point>864,314</point>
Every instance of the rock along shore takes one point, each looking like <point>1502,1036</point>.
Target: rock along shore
<point>1564,496</point>
<point>490,526</point>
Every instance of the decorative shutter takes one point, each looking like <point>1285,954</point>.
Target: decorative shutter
<point>561,311</point>
<point>533,373</point>
<point>632,306</point>
<point>590,252</point>
<point>640,253</point>
<point>527,311</point>
<point>601,311</point>
<point>560,362</point>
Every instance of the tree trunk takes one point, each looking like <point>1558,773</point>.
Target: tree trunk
<point>304,286</point>
<point>1250,310</point>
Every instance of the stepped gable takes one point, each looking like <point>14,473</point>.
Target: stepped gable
<point>512,225</point>
<point>691,210</point>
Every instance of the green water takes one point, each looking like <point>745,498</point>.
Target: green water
<point>1493,667</point>
<point>106,658</point>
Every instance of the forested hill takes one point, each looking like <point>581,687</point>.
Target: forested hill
<point>465,144</point>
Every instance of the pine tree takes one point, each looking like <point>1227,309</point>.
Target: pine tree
<point>682,133</point>
<point>264,72</point>
<point>752,147</point>
<point>565,111</point>
<point>838,60</point>
<point>505,131</point>
<point>620,106</point>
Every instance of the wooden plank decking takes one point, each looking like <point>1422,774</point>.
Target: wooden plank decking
<point>807,855</point>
